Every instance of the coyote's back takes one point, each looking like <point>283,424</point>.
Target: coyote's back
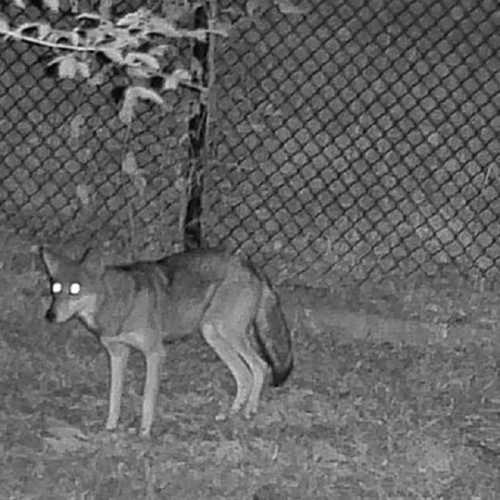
<point>141,304</point>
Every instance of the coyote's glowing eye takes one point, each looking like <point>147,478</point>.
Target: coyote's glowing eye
<point>56,287</point>
<point>74,288</point>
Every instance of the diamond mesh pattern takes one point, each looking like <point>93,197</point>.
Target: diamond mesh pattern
<point>61,151</point>
<point>360,139</point>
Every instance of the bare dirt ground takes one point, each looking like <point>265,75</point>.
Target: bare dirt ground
<point>357,420</point>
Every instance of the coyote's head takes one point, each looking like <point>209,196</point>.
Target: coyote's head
<point>74,286</point>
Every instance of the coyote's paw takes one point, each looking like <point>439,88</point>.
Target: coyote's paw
<point>111,426</point>
<point>221,417</point>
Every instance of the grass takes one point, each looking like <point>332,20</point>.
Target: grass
<point>362,420</point>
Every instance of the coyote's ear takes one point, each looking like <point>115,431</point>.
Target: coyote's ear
<point>51,261</point>
<point>93,262</point>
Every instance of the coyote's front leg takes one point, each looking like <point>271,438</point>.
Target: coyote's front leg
<point>118,357</point>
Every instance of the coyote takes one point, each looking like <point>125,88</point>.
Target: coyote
<point>140,304</point>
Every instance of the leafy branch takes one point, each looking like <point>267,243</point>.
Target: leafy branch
<point>135,41</point>
<point>138,42</point>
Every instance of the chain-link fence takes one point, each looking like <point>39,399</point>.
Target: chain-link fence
<point>351,138</point>
<point>360,138</point>
<point>64,169</point>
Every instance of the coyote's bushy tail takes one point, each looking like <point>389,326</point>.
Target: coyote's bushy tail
<point>273,335</point>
